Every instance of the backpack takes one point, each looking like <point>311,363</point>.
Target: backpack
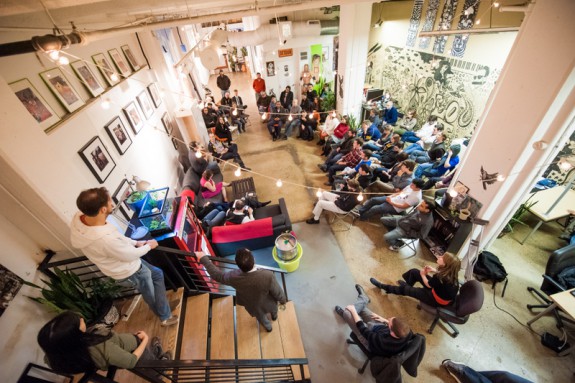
<point>489,267</point>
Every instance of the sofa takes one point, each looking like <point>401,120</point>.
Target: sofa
<point>193,168</point>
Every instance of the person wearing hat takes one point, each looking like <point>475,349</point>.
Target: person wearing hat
<point>223,82</point>
<point>438,168</point>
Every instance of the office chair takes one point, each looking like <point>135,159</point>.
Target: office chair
<point>559,261</point>
<point>388,370</point>
<point>468,301</point>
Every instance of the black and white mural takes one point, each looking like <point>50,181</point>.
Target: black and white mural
<point>445,22</point>
<point>414,23</point>
<point>466,21</point>
<point>430,16</point>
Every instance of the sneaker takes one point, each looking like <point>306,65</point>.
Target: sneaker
<point>166,356</point>
<point>401,282</point>
<point>274,316</point>
<point>361,291</point>
<point>175,304</point>
<point>312,221</point>
<point>455,369</point>
<point>170,321</point>
<point>375,282</point>
<point>339,311</point>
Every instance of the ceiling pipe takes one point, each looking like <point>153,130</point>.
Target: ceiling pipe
<point>44,43</point>
<point>21,47</point>
<point>467,31</point>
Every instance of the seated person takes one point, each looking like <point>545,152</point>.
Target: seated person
<point>394,203</point>
<point>398,182</point>
<point>384,174</point>
<point>238,100</point>
<point>305,103</point>
<point>222,131</point>
<point>349,171</point>
<point>387,133</point>
<point>425,143</point>
<point>415,224</point>
<point>407,123</point>
<point>209,188</point>
<point>276,121</point>
<point>210,117</point>
<point>327,129</point>
<point>363,176</point>
<point>225,151</point>
<point>381,336</point>
<point>374,118</point>
<point>465,374</point>
<point>286,98</point>
<point>225,104</point>
<point>311,93</point>
<point>338,203</point>
<point>438,290</point>
<point>438,168</point>
<point>388,157</point>
<point>338,132</point>
<point>338,151</point>
<point>238,117</point>
<point>295,121</point>
<point>211,214</point>
<point>263,103</point>
<point>368,132</point>
<point>425,131</point>
<point>307,127</point>
<point>389,114</point>
<point>439,182</point>
<point>240,213</point>
<point>351,159</point>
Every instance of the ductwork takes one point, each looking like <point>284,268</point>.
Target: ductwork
<point>44,43</point>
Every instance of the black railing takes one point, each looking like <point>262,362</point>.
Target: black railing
<point>196,283</point>
<point>222,371</point>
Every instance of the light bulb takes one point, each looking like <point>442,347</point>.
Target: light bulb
<point>274,53</point>
<point>235,112</point>
<point>238,172</point>
<point>54,54</point>
<point>564,165</point>
<point>114,77</point>
<point>318,193</point>
<point>453,193</point>
<point>334,72</point>
<point>500,177</point>
<point>279,183</point>
<point>477,22</point>
<point>201,105</point>
<point>264,116</point>
<point>311,115</point>
<point>235,58</point>
<point>198,154</point>
<point>496,4</point>
<point>333,114</point>
<point>62,60</point>
<point>360,197</point>
<point>105,103</point>
<point>290,117</point>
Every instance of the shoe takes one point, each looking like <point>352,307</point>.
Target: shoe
<point>339,311</point>
<point>455,369</point>
<point>394,248</point>
<point>262,204</point>
<point>275,316</point>
<point>246,168</point>
<point>170,321</point>
<point>375,282</point>
<point>269,329</point>
<point>175,304</point>
<point>274,138</point>
<point>312,221</point>
<point>166,356</point>
<point>361,291</point>
<point>401,282</point>
<point>156,347</point>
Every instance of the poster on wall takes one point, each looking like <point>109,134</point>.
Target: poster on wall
<point>34,103</point>
<point>270,68</point>
<point>10,284</point>
<point>105,68</point>
<point>97,159</point>
<point>316,66</point>
<point>62,89</point>
<point>119,62</point>
<point>118,134</point>
<point>87,77</point>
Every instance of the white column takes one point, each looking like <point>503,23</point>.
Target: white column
<point>353,45</point>
<point>532,101</point>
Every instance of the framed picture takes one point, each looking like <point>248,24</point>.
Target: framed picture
<point>167,122</point>
<point>154,94</point>
<point>106,69</point>
<point>61,88</point>
<point>119,135</point>
<point>122,192</point>
<point>87,78</point>
<point>34,103</point>
<point>120,63</point>
<point>134,117</point>
<point>145,104</point>
<point>10,284</point>
<point>175,143</point>
<point>97,158</point>
<point>130,57</point>
<point>271,68</point>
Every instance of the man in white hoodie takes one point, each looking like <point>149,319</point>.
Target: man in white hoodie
<point>118,256</point>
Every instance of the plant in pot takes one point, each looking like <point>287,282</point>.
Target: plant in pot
<point>136,200</point>
<point>93,300</point>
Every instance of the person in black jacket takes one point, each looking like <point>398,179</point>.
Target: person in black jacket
<point>384,337</point>
<point>223,132</point>
<point>338,203</point>
<point>286,97</point>
<point>210,117</point>
<point>223,82</point>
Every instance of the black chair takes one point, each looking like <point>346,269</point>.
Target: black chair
<point>468,301</point>
<point>553,281</point>
<point>388,370</point>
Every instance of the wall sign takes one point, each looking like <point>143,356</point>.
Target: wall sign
<point>285,52</point>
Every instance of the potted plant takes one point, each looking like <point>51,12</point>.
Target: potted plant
<point>93,300</point>
<point>136,200</point>
<point>516,218</point>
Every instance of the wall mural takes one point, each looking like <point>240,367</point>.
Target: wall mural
<point>444,24</point>
<point>452,89</point>
<point>430,16</point>
<point>466,21</point>
<point>414,23</point>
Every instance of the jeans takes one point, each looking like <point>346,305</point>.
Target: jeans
<point>409,137</point>
<point>215,218</point>
<point>376,205</point>
<point>371,146</point>
<point>393,236</point>
<point>290,125</point>
<point>466,374</point>
<point>429,171</point>
<point>365,314</point>
<point>412,148</point>
<point>326,202</point>
<point>149,281</point>
<point>419,156</point>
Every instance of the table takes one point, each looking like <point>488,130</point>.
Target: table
<point>551,205</point>
<point>563,300</point>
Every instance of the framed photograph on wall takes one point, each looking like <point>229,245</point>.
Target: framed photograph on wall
<point>130,57</point>
<point>34,103</point>
<point>87,77</point>
<point>10,284</point>
<point>271,68</point>
<point>167,122</point>
<point>62,89</point>
<point>119,135</point>
<point>119,62</point>
<point>175,143</point>
<point>145,104</point>
<point>134,117</point>
<point>112,78</point>
<point>154,94</point>
<point>122,192</point>
<point>97,159</point>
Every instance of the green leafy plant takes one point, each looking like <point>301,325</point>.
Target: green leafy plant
<point>136,196</point>
<point>353,123</point>
<point>65,291</point>
<point>516,218</point>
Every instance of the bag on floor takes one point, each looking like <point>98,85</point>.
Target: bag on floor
<point>489,267</point>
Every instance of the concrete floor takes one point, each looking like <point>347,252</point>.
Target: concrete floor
<point>334,261</point>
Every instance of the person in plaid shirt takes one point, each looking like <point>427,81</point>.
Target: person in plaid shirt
<point>351,159</point>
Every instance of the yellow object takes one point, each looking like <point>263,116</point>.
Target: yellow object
<point>290,265</point>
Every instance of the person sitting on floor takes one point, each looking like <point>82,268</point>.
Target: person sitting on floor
<point>425,131</point>
<point>394,203</point>
<point>438,290</point>
<point>209,188</point>
<point>388,157</point>
<point>374,118</point>
<point>338,151</point>
<point>415,224</point>
<point>241,213</point>
<point>439,167</point>
<point>381,336</point>
<point>351,159</point>
<point>389,114</point>
<point>368,132</point>
<point>363,176</point>
<point>407,123</point>
<point>337,203</point>
<point>424,144</point>
<point>225,151</point>
<point>384,174</point>
<point>398,182</point>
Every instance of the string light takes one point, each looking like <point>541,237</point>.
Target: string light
<point>235,112</point>
<point>105,103</point>
<point>318,193</point>
<point>311,115</point>
<point>114,77</point>
<point>54,54</point>
<point>496,4</point>
<point>62,60</point>
<point>198,154</point>
<point>477,22</point>
<point>264,116</point>
<point>500,177</point>
<point>238,172</point>
<point>564,165</point>
<point>279,183</point>
<point>360,197</point>
<point>453,193</point>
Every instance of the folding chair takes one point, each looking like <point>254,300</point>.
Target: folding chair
<point>410,243</point>
<point>340,217</point>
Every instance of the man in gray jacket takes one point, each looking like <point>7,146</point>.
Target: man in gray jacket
<point>256,290</point>
<point>416,224</point>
